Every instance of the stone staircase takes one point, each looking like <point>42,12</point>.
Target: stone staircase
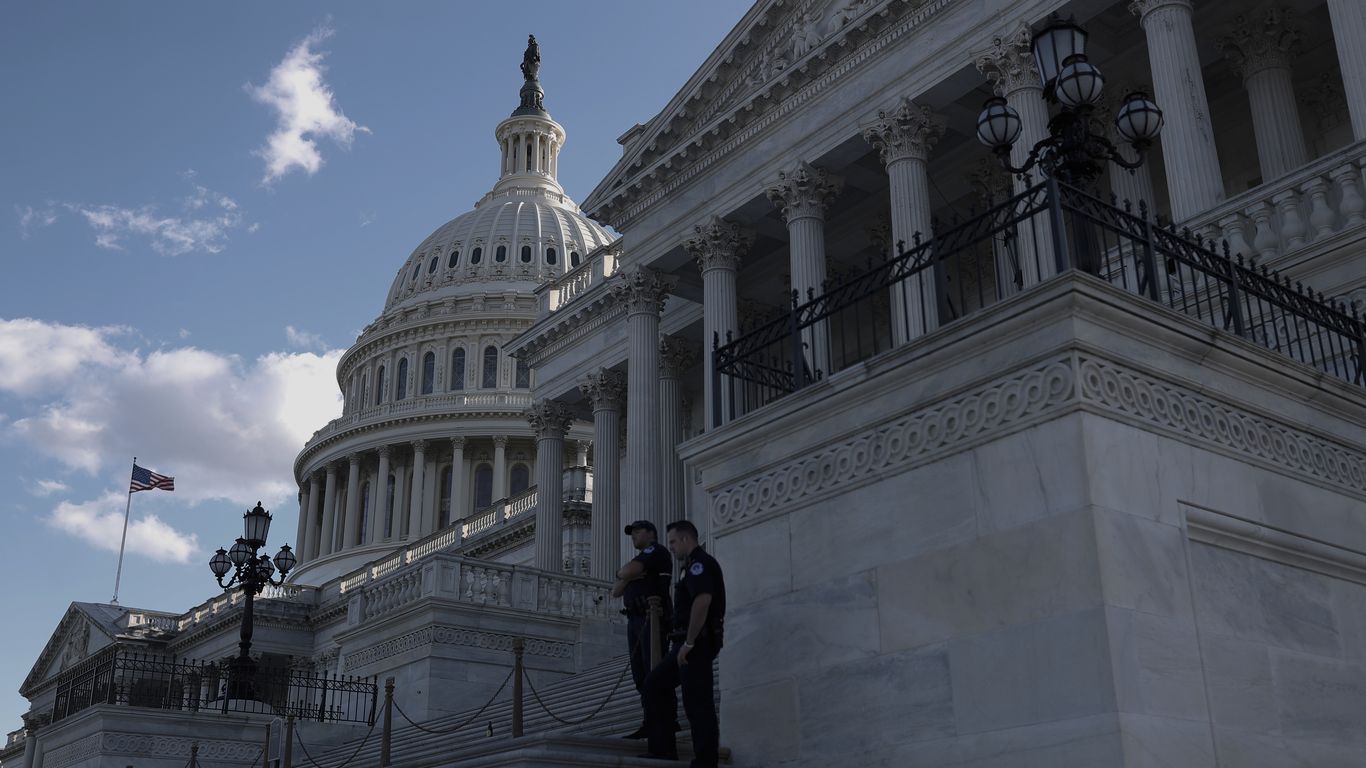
<point>547,743</point>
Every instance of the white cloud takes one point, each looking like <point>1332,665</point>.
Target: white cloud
<point>301,339</point>
<point>224,427</point>
<point>99,523</point>
<point>184,333</point>
<point>306,110</point>
<point>44,488</point>
<point>31,218</point>
<point>212,217</point>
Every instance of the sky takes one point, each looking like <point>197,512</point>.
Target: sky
<point>201,205</point>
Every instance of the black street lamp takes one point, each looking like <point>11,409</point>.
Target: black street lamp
<point>1076,145</point>
<point>251,573</point>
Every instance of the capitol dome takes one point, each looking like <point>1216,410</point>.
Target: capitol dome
<point>433,441</point>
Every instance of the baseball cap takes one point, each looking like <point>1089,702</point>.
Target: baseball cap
<point>646,524</point>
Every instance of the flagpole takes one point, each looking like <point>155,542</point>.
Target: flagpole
<point>118,575</point>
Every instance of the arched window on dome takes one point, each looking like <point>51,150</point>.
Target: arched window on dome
<point>574,258</point>
<point>523,375</point>
<point>454,259</point>
<point>428,373</point>
<point>490,377</point>
<point>401,386</point>
<point>431,266</point>
<point>519,480</point>
<point>379,386</point>
<point>526,254</point>
<point>457,370</point>
<point>477,255</point>
<point>483,487</point>
<point>389,506</point>
<point>364,382</point>
<point>528,156</point>
<point>416,267</point>
<point>364,522</point>
<point>501,255</point>
<point>550,256</point>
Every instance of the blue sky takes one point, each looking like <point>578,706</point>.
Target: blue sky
<point>201,205</point>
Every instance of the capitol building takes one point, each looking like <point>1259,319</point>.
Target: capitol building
<point>1009,356</point>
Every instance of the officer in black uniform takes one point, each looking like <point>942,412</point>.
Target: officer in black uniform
<point>645,576</point>
<point>699,610</point>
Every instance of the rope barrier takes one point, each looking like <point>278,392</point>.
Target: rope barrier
<point>298,737</point>
<point>588,717</point>
<point>474,717</point>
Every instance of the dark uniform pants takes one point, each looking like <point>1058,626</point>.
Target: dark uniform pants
<point>699,703</point>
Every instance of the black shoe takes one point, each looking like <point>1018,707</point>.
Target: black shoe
<point>638,733</point>
<point>652,756</point>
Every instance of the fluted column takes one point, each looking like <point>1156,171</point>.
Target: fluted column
<point>416,497</point>
<point>381,505</point>
<point>398,525</point>
<point>1194,181</point>
<point>802,195</point>
<point>301,532</point>
<point>329,529</point>
<point>314,529</point>
<point>605,390</point>
<point>643,292</point>
<point>1009,65</point>
<point>500,467</point>
<point>550,420</point>
<point>904,136</point>
<point>1348,19</point>
<point>676,357</point>
<point>718,246</point>
<point>1261,48</point>
<point>457,478</point>
<point>351,522</point>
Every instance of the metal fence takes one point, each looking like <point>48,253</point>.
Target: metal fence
<point>157,682</point>
<point>1046,229</point>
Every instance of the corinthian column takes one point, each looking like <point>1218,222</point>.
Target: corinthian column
<point>605,390</point>
<point>313,531</point>
<point>676,357</point>
<point>500,467</point>
<point>717,246</point>
<point>301,533</point>
<point>904,136</point>
<point>1194,181</point>
<point>329,531</point>
<point>643,292</point>
<point>456,510</point>
<point>417,496</point>
<point>1348,19</point>
<point>802,196</point>
<point>351,523</point>
<point>1027,255</point>
<point>1261,48</point>
<point>550,420</point>
<point>381,506</point>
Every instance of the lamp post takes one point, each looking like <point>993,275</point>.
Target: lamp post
<point>1076,146</point>
<point>250,573</point>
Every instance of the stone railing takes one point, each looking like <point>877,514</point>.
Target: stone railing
<point>422,404</point>
<point>393,593</point>
<point>1316,202</point>
<point>162,621</point>
<point>600,265</point>
<point>209,609</point>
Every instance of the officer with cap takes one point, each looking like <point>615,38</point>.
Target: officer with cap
<point>645,576</point>
<point>700,610</point>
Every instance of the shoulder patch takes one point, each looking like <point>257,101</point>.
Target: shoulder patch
<point>696,569</point>
<point>649,549</point>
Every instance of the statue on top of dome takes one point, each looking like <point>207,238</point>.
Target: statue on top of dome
<point>531,60</point>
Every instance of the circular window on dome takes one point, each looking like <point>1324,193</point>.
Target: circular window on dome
<point>574,258</point>
<point>501,254</point>
<point>526,254</point>
<point>454,259</point>
<point>477,255</point>
<point>550,256</point>
<point>432,266</point>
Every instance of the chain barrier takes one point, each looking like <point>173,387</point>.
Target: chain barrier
<point>474,717</point>
<point>298,737</point>
<point>590,715</point>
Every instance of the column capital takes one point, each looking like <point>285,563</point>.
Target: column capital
<point>880,235</point>
<point>804,191</point>
<point>1009,62</point>
<point>1142,8</point>
<point>1266,39</point>
<point>642,290</point>
<point>605,388</point>
<point>333,467</point>
<point>383,451</point>
<point>906,131</point>
<point>676,355</point>
<point>419,445</point>
<point>458,442</point>
<point>550,419</point>
<point>353,459</point>
<point>500,441</point>
<point>718,244</point>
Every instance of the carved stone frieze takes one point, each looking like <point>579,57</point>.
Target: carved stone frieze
<point>907,131</point>
<point>804,191</point>
<point>718,244</point>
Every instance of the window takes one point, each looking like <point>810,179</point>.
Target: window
<point>360,396</point>
<point>520,479</point>
<point>379,386</point>
<point>454,259</point>
<point>528,155</point>
<point>389,507</point>
<point>443,504</point>
<point>401,386</point>
<point>364,512</point>
<point>477,255</point>
<point>416,267</point>
<point>526,254</point>
<point>490,379</point>
<point>428,373</point>
<point>457,369</point>
<point>523,375</point>
<point>550,256</point>
<point>501,255</point>
<point>574,258</point>
<point>483,486</point>
<point>431,267</point>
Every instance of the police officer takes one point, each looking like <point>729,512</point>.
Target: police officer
<point>699,610</point>
<point>645,576</point>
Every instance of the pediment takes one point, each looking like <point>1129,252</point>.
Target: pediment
<point>80,633</point>
<point>778,49</point>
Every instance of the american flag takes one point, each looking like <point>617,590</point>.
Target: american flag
<point>147,480</point>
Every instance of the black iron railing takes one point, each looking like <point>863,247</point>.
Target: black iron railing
<point>157,682</point>
<point>1046,229</point>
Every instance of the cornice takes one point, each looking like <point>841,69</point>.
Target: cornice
<point>568,325</point>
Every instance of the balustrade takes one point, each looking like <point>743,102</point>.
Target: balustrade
<point>599,266</point>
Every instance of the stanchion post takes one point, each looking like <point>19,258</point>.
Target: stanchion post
<point>386,737</point>
<point>194,754</point>
<point>655,611</point>
<point>518,647</point>
<point>265,748</point>
<point>289,742</point>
